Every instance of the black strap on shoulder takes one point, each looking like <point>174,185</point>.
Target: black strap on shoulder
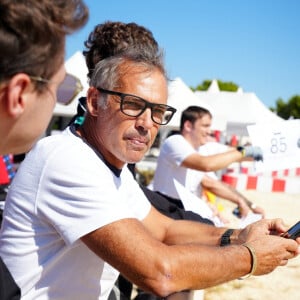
<point>8,288</point>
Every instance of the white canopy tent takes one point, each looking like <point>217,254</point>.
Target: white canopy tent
<point>232,111</point>
<point>237,109</point>
<point>181,96</point>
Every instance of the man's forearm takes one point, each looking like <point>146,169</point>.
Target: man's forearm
<point>185,232</point>
<point>222,190</point>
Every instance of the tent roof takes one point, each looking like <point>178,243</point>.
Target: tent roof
<point>238,109</point>
<point>181,96</point>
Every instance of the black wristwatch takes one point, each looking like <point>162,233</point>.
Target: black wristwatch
<point>225,238</point>
<point>241,149</point>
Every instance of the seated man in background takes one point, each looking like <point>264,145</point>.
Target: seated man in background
<point>204,184</point>
<point>180,159</point>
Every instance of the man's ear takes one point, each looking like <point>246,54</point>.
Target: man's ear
<point>15,94</point>
<point>188,126</point>
<point>92,101</point>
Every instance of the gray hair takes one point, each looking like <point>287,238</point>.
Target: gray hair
<point>108,73</point>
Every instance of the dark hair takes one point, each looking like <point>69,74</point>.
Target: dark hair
<point>32,34</point>
<point>114,38</point>
<point>108,43</point>
<point>192,114</point>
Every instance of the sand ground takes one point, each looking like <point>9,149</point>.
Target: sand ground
<point>281,284</point>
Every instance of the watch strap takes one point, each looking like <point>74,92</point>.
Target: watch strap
<point>225,238</point>
<point>241,149</point>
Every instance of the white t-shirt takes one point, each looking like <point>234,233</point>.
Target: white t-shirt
<point>194,177</point>
<point>62,191</point>
<point>174,150</point>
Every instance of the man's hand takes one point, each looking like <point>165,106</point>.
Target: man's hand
<point>246,205</point>
<point>260,228</point>
<point>254,152</point>
<point>271,249</point>
<point>258,210</point>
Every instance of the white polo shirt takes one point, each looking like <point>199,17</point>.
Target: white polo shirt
<point>62,191</point>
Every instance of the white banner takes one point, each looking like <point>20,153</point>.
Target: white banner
<point>280,143</point>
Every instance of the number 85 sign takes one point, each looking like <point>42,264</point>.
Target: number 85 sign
<point>280,143</point>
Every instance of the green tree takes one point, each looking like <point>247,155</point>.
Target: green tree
<point>289,109</point>
<point>223,86</point>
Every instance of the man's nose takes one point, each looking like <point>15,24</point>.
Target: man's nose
<point>145,120</point>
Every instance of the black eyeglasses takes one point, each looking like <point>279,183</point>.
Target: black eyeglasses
<point>134,106</point>
<point>67,90</point>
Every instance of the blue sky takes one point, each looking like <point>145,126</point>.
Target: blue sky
<point>254,43</point>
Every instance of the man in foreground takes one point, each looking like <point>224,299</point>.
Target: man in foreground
<point>110,39</point>
<point>83,224</point>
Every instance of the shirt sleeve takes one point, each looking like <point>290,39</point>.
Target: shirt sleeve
<point>176,149</point>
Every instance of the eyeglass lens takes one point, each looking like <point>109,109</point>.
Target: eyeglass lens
<point>133,106</point>
<point>68,89</point>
